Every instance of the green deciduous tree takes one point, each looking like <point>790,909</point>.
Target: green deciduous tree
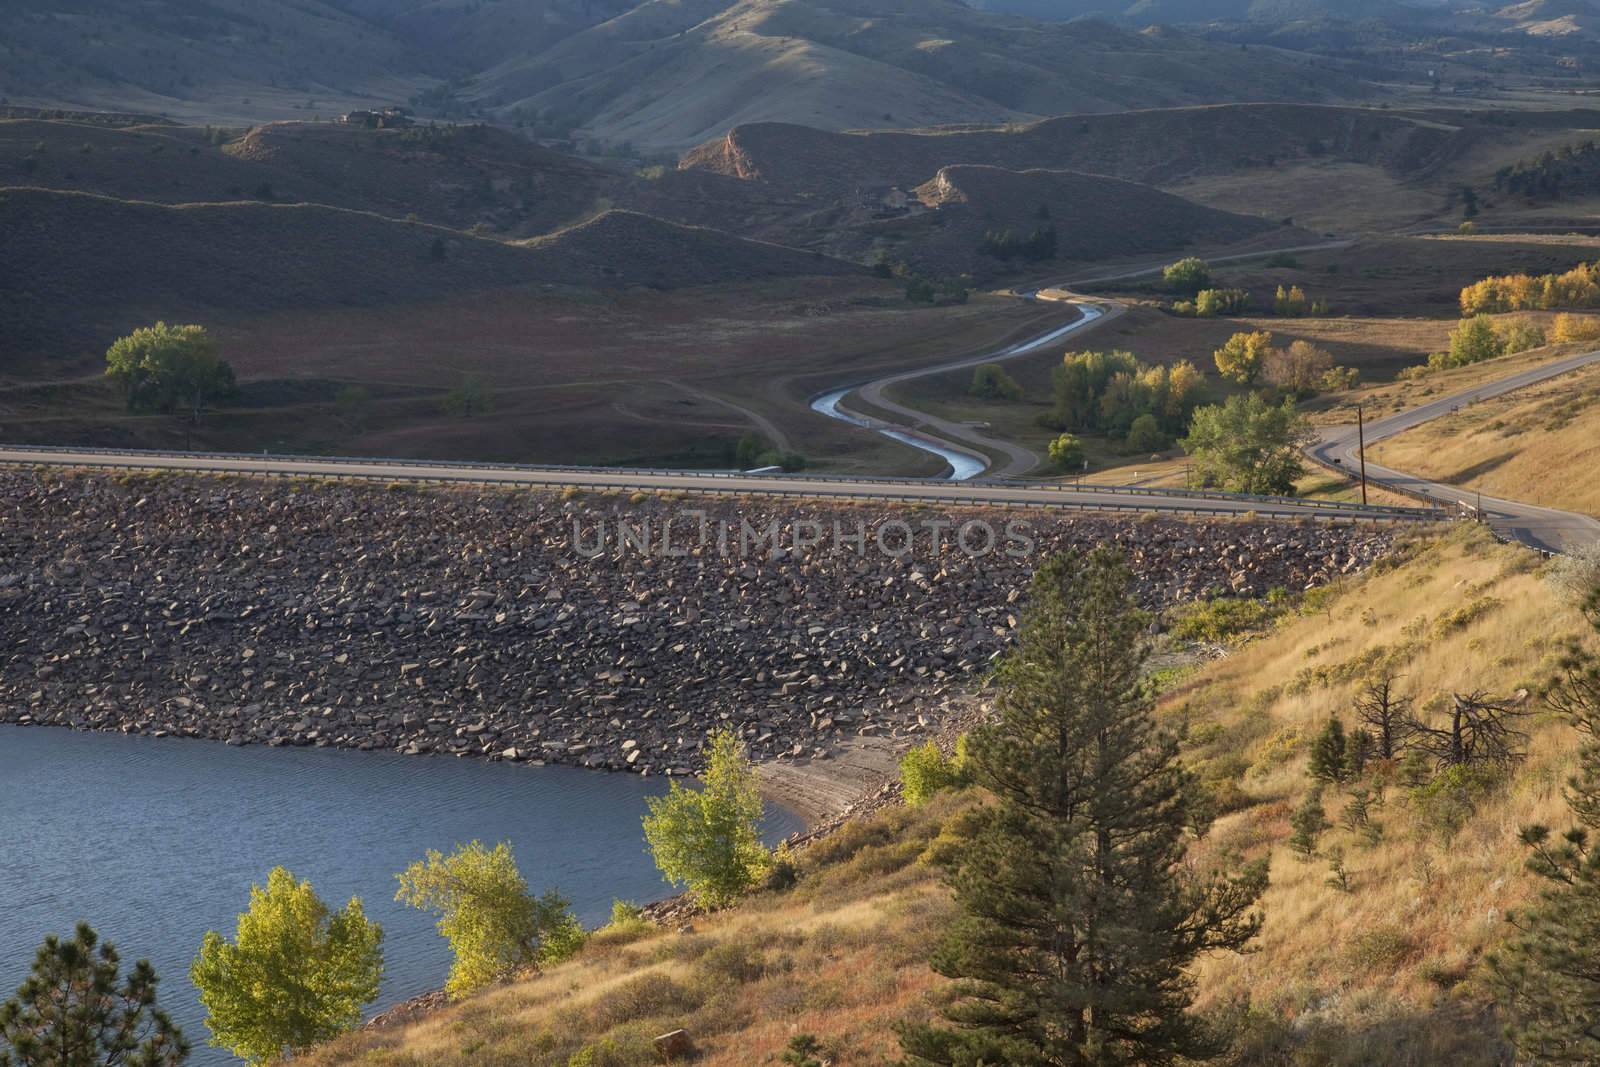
<point>1187,275</point>
<point>1247,445</point>
<point>710,838</point>
<point>925,771</point>
<point>1078,913</point>
<point>1474,340</point>
<point>1145,435</point>
<point>1066,452</point>
<point>76,1010</point>
<point>1244,357</point>
<point>165,368</point>
<point>295,974</point>
<point>990,381</point>
<point>495,926</point>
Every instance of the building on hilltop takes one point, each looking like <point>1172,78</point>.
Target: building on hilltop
<point>388,119</point>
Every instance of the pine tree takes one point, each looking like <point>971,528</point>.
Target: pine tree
<point>1308,822</point>
<point>1328,752</point>
<point>1078,918</point>
<point>1548,975</point>
<point>1358,749</point>
<point>74,1010</point>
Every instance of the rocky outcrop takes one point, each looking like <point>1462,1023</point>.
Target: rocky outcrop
<point>467,623</point>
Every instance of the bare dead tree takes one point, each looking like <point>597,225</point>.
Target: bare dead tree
<point>1387,713</point>
<point>1479,731</point>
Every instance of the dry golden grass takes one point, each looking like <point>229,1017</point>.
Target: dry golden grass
<point>1539,444</point>
<point>1391,961</point>
<point>1388,398</point>
<point>1382,974</point>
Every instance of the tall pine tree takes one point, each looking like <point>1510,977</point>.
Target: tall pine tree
<point>76,1009</point>
<point>1077,918</point>
<point>1547,976</point>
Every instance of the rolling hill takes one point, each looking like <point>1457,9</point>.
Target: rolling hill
<point>81,269</point>
<point>455,176</point>
<point>669,75</point>
<point>1092,217</point>
<point>653,77</point>
<point>1153,147</point>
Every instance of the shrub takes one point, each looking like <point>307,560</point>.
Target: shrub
<point>628,924</point>
<point>1211,303</point>
<point>494,925</point>
<point>1520,335</point>
<point>1219,620</point>
<point>1188,275</point>
<point>1382,949</point>
<point>1568,329</point>
<point>1339,379</point>
<point>1066,452</point>
<point>1145,435</point>
<point>1444,804</point>
<point>991,382</point>
<point>709,838</point>
<point>925,771</point>
<point>295,975</point>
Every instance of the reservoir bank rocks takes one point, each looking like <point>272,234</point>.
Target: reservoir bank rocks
<point>605,631</point>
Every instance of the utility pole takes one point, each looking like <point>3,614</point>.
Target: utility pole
<point>1361,438</point>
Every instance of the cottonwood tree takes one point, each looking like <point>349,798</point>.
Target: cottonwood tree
<point>1387,714</point>
<point>1298,369</point>
<point>75,1009</point>
<point>1244,356</point>
<point>295,974</point>
<point>495,926</point>
<point>1478,730</point>
<point>166,368</point>
<point>710,838</point>
<point>1078,916</point>
<point>1247,445</point>
<point>1188,275</point>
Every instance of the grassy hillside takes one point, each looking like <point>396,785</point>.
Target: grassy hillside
<point>1155,147</point>
<point>234,59</point>
<point>672,75</point>
<point>82,269</point>
<point>1092,217</point>
<point>1540,445</point>
<point>455,176</point>
<point>1380,972</point>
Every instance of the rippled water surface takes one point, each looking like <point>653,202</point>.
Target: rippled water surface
<point>155,841</point>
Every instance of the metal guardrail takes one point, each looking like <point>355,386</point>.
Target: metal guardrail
<point>1281,504</point>
<point>1445,509</point>
<point>1351,516</point>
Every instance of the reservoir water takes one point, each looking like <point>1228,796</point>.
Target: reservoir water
<point>156,840</point>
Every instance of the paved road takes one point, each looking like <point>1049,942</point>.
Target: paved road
<point>964,447</point>
<point>1017,459</point>
<point>1094,498</point>
<point>1542,528</point>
